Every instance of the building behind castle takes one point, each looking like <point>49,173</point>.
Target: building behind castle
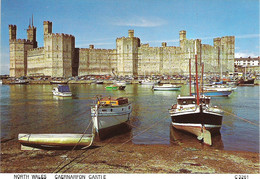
<point>60,58</point>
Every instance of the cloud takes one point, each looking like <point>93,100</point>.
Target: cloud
<point>245,55</point>
<point>139,22</point>
<point>247,36</point>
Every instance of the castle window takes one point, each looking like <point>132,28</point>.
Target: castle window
<point>57,56</point>
<point>57,47</point>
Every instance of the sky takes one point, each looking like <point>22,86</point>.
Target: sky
<point>100,22</point>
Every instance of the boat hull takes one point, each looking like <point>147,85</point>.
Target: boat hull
<point>55,140</point>
<point>216,93</point>
<point>166,88</point>
<point>193,122</point>
<point>110,123</point>
<point>67,94</point>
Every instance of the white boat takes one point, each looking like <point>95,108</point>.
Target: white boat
<point>166,87</point>
<point>62,90</point>
<point>110,115</point>
<point>38,141</point>
<point>217,88</point>
<point>149,82</point>
<point>121,83</point>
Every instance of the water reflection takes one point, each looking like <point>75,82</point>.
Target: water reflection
<point>178,137</point>
<point>33,109</point>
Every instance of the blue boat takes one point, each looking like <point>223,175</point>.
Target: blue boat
<point>216,93</point>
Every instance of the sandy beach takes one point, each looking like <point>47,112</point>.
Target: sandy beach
<point>107,157</point>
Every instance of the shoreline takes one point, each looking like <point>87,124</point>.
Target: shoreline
<point>108,157</point>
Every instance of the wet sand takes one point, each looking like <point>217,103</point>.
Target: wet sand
<point>107,157</point>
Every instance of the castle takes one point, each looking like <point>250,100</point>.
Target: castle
<point>60,58</point>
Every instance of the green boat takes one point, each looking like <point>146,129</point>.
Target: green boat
<point>115,87</point>
<point>112,87</point>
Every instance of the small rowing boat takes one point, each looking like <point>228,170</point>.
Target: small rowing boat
<point>55,140</point>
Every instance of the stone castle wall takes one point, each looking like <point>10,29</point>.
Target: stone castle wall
<point>60,58</point>
<point>36,61</point>
<point>96,61</point>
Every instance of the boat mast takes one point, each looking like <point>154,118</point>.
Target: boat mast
<point>197,84</point>
<point>190,71</point>
<point>202,71</point>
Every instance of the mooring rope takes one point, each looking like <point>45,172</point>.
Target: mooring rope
<point>92,139</point>
<point>246,120</point>
<point>146,129</point>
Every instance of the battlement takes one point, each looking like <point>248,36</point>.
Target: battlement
<point>21,41</point>
<point>12,26</point>
<point>47,22</point>
<point>60,35</point>
<point>145,45</point>
<point>36,49</point>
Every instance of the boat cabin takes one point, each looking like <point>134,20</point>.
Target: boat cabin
<point>63,89</point>
<point>113,101</point>
<point>187,100</point>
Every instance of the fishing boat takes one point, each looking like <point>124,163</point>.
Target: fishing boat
<point>194,113</point>
<point>115,87</point>
<point>194,118</point>
<point>62,90</point>
<point>38,141</point>
<point>166,87</point>
<point>246,82</point>
<point>110,115</point>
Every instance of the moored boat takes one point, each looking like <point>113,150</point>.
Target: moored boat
<point>115,87</point>
<point>110,116</point>
<point>149,82</point>
<point>193,118</point>
<point>166,87</point>
<point>246,82</point>
<point>55,140</point>
<point>19,82</point>
<point>62,90</point>
<point>99,82</point>
<point>59,81</point>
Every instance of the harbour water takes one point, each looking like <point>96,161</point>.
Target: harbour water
<point>33,109</point>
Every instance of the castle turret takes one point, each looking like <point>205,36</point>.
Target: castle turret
<point>130,33</point>
<point>47,26</point>
<point>182,35</point>
<point>12,32</point>
<point>31,34</point>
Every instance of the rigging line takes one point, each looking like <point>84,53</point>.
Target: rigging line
<point>109,143</point>
<point>243,119</point>
<point>76,145</point>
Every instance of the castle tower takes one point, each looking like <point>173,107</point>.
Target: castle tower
<point>182,38</point>
<point>18,53</point>
<point>31,34</point>
<point>12,32</point>
<point>127,54</point>
<point>47,27</point>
